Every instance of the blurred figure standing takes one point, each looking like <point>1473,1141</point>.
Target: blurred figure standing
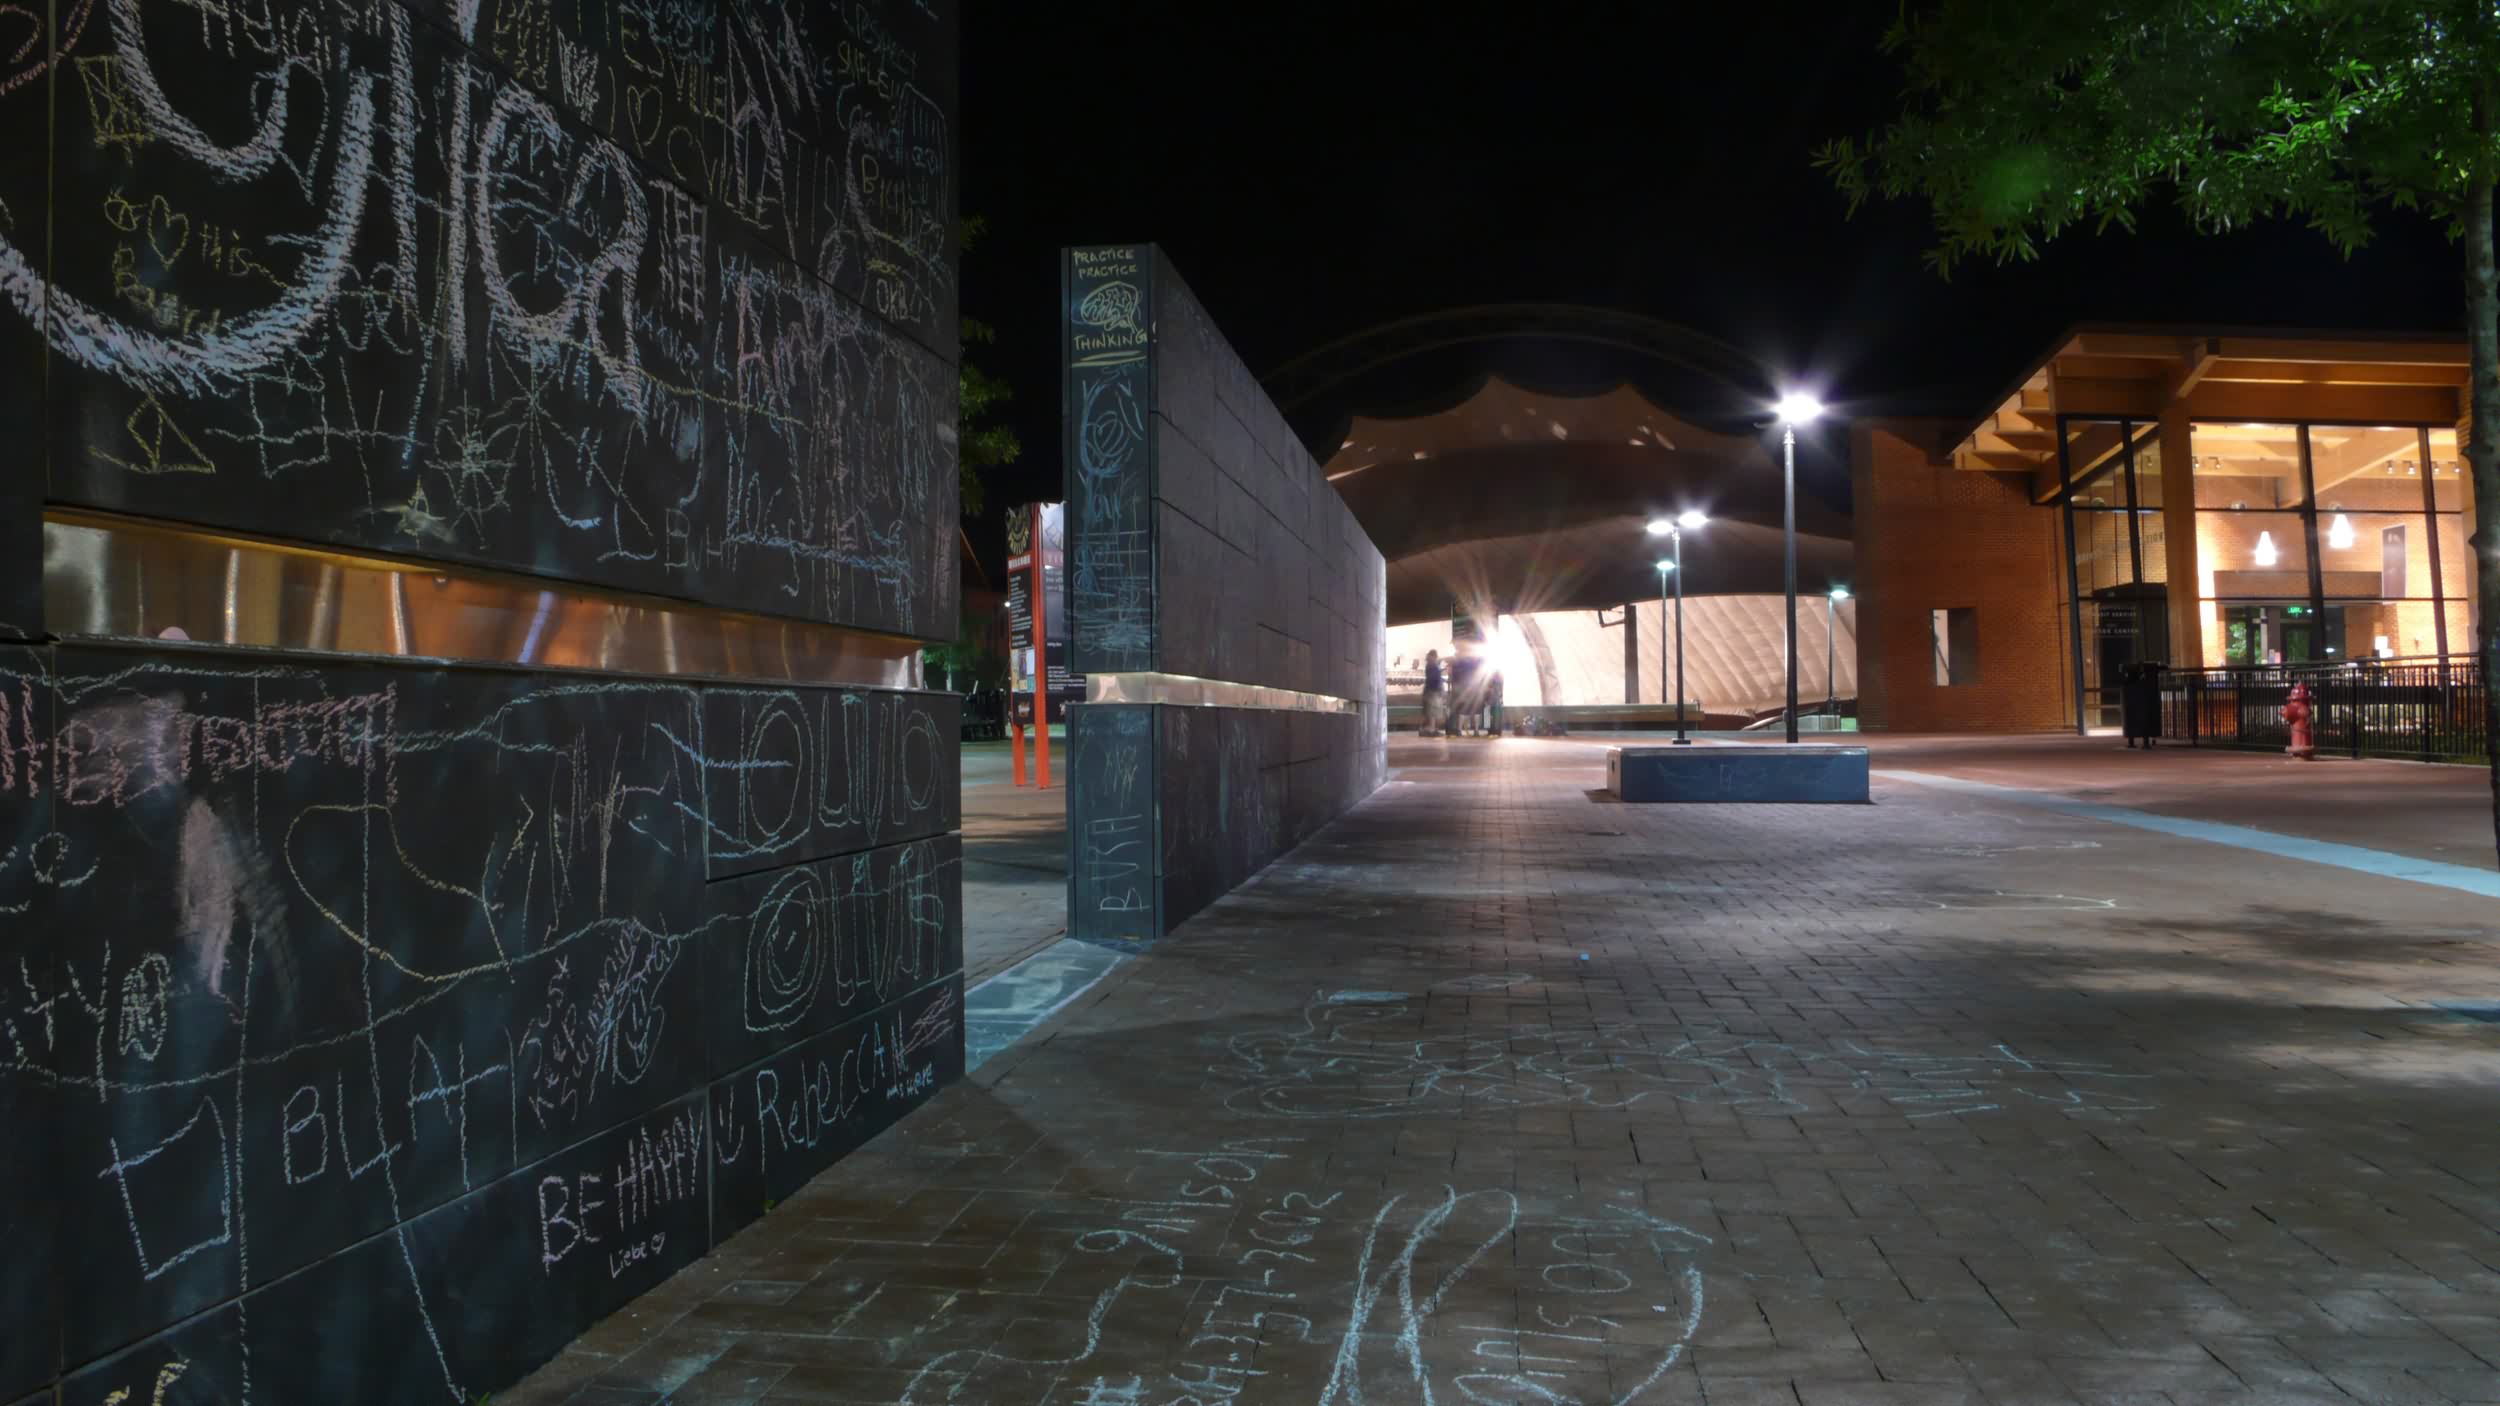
<point>1466,692</point>
<point>1436,698</point>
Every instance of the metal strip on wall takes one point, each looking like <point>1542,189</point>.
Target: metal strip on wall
<point>121,579</point>
<point>1182,691</point>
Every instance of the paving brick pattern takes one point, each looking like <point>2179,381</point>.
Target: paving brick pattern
<point>1498,1092</point>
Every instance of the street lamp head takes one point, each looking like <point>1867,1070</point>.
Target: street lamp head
<point>1661,526</point>
<point>1692,517</point>
<point>1665,566</point>
<point>1798,408</point>
<point>1840,593</point>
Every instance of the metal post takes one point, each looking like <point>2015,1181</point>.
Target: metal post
<point>1666,686</point>
<point>1041,657</point>
<point>1831,655</point>
<point>1680,739</point>
<point>1788,443</point>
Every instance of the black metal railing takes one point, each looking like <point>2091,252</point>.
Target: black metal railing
<point>2428,710</point>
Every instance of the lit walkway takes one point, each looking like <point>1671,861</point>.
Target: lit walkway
<point>1015,860</point>
<point>1497,1092</point>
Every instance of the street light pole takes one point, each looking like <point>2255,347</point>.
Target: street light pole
<point>1675,568</point>
<point>1788,536</point>
<point>1831,649</point>
<point>1680,739</point>
<point>1674,528</point>
<point>1794,409</point>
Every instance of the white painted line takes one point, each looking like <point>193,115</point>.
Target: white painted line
<point>2382,863</point>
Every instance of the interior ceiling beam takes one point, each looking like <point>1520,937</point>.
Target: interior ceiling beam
<point>2364,451</point>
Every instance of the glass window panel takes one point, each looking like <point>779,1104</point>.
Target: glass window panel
<point>2147,469</point>
<point>2261,556</point>
<point>2245,466</point>
<point>2455,533</point>
<point>2102,558</point>
<point>2460,615</point>
<point>2261,632</point>
<point>2383,556</point>
<point>2148,499</point>
<point>2366,469</point>
<point>2150,527</point>
<point>2094,463</point>
<point>2449,480</point>
<point>2393,629</point>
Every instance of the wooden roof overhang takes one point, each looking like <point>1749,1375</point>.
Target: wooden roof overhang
<point>2138,373</point>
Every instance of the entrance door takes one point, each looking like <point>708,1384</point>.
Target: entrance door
<point>2276,632</point>
<point>2125,625</point>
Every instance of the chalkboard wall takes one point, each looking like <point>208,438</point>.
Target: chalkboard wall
<point>323,1097</point>
<point>1174,807</point>
<point>369,1029</point>
<point>652,294</point>
<point>1203,542</point>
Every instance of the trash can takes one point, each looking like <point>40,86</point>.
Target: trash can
<point>2139,696</point>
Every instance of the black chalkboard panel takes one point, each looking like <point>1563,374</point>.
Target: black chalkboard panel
<point>25,176</point>
<point>1113,888</point>
<point>396,300</point>
<point>796,951</point>
<point>646,75</point>
<point>311,1008</point>
<point>1107,409</point>
<point>461,1301</point>
<point>801,774</point>
<point>841,149</point>
<point>321,271</point>
<point>31,872</point>
<point>789,1117</point>
<point>833,448</point>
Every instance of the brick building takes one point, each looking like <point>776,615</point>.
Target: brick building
<point>2201,499</point>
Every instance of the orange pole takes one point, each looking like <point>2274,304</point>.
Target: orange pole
<point>1015,732</point>
<point>1041,657</point>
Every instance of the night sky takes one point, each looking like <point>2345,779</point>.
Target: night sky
<point>1316,169</point>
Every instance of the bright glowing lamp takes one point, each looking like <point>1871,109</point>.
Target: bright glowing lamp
<point>1661,526</point>
<point>1798,408</point>
<point>2339,533</point>
<point>2265,554</point>
<point>1692,517</point>
<point>1665,566</point>
<point>1840,593</point>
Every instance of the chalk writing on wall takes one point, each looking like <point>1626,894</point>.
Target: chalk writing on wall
<point>655,295</point>
<point>1110,457</point>
<point>1114,889</point>
<point>297,1057</point>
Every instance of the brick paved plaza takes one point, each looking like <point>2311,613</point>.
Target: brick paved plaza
<point>1499,1092</point>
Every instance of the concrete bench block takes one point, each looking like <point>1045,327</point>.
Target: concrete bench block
<point>1740,773</point>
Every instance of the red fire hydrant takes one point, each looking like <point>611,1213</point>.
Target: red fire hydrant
<point>2296,712</point>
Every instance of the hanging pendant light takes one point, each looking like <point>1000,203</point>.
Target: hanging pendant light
<point>2339,532</point>
<point>2265,549</point>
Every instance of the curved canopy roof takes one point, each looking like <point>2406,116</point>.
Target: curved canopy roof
<point>1515,500</point>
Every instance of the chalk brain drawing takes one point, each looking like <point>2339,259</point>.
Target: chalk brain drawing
<point>1113,307</point>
